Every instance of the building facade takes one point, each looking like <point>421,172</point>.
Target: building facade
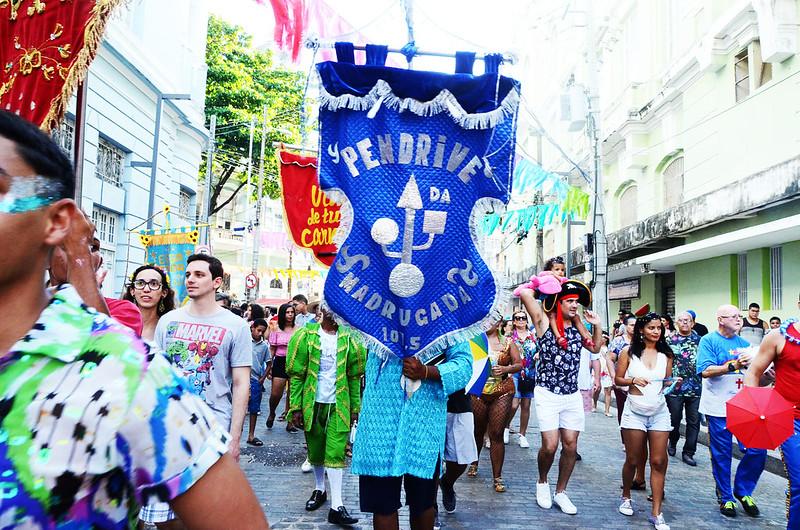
<point>698,116</point>
<point>150,49</point>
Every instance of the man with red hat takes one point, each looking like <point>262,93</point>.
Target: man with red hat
<point>559,406</point>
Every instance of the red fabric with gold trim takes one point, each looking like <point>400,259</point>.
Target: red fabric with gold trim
<point>311,217</point>
<point>45,50</point>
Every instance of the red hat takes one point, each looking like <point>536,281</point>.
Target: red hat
<point>642,311</point>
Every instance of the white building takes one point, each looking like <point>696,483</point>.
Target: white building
<point>151,48</point>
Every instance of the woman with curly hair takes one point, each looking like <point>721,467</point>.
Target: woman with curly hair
<point>278,342</point>
<point>149,289</point>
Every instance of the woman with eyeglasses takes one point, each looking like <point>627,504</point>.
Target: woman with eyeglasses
<point>149,289</point>
<point>646,368</point>
<point>524,380</point>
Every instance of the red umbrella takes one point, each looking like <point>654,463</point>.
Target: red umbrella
<point>760,418</point>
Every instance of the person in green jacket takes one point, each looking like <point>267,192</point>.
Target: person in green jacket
<point>325,363</point>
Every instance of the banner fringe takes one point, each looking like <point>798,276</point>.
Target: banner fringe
<point>92,37</point>
<point>444,101</point>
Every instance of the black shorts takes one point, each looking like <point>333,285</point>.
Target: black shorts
<point>279,367</point>
<point>381,495</point>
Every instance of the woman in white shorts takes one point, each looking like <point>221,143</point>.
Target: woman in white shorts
<point>646,367</point>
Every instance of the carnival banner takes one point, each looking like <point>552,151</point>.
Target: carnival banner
<point>169,249</point>
<point>45,51</point>
<point>311,216</point>
<point>416,159</point>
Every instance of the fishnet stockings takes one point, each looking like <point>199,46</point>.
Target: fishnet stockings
<point>492,416</point>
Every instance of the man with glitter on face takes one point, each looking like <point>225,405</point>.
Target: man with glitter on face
<point>76,451</point>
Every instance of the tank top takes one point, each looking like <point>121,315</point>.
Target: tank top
<point>651,399</point>
<point>752,333</point>
<point>787,371</point>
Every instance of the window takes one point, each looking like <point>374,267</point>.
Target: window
<point>185,205</point>
<point>776,277</point>
<point>106,223</point>
<point>749,71</point>
<point>669,300</point>
<point>109,163</point>
<point>625,305</point>
<point>275,283</point>
<point>627,206</point>
<point>742,276</point>
<point>673,184</point>
<point>64,135</point>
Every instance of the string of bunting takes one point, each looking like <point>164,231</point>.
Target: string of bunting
<point>296,273</point>
<point>570,201</point>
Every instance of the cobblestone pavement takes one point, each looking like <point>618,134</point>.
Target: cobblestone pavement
<point>274,472</point>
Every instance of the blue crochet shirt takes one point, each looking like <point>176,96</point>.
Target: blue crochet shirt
<point>399,435</point>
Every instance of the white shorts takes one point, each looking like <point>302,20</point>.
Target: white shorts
<point>159,512</point>
<point>459,443</point>
<point>556,411</point>
<point>605,381</point>
<point>659,421</point>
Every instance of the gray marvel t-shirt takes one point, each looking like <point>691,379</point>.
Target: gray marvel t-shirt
<point>205,350</point>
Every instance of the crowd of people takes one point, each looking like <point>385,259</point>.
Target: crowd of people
<point>136,407</point>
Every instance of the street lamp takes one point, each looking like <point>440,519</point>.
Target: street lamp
<point>154,162</point>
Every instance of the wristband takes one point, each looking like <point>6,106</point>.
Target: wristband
<point>426,372</point>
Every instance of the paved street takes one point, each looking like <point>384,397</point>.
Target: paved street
<point>274,471</point>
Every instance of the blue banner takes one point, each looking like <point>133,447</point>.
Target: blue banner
<point>417,159</point>
<point>168,250</point>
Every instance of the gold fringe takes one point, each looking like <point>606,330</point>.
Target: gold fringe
<point>92,37</point>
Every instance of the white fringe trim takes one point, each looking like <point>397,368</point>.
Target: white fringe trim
<point>445,101</point>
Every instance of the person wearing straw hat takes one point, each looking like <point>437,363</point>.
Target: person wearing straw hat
<point>559,406</point>
<point>782,349</point>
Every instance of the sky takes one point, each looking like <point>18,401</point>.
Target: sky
<point>439,25</point>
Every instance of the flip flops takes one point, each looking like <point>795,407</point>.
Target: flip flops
<point>256,442</point>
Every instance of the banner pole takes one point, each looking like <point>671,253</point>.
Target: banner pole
<point>259,205</point>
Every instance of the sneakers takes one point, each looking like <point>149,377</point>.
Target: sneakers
<point>523,442</point>
<point>506,434</point>
<point>562,501</point>
<point>749,505</point>
<point>306,466</point>
<point>658,522</point>
<point>448,498</point>
<point>671,449</point>
<point>728,509</point>
<point>625,506</point>
<point>543,498</point>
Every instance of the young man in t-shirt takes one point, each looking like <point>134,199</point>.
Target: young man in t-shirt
<point>721,358</point>
<point>211,346</point>
<point>258,373</point>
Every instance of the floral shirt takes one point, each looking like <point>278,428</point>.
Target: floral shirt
<point>684,364</point>
<point>92,424</point>
<point>527,350</point>
<point>558,368</point>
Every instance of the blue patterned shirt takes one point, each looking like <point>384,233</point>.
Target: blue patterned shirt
<point>684,363</point>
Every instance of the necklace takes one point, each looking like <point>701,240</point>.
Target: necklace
<point>785,331</point>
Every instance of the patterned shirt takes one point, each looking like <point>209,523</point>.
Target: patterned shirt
<point>558,368</point>
<point>684,364</point>
<point>527,350</point>
<point>91,424</point>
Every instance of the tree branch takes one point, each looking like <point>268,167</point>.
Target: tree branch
<point>218,187</point>
<point>229,199</point>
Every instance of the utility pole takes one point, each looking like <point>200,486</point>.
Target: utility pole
<point>600,269</point>
<point>209,176</point>
<point>259,205</point>
<point>249,192</point>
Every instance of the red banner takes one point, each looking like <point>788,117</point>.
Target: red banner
<point>45,51</point>
<point>312,218</point>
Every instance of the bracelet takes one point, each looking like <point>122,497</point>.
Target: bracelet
<point>426,372</point>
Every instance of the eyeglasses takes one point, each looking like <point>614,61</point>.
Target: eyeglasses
<point>20,194</point>
<point>154,285</point>
<point>735,317</point>
<point>520,318</point>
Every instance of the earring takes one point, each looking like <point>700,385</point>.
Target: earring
<point>161,306</point>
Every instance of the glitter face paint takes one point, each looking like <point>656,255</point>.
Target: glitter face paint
<point>24,194</point>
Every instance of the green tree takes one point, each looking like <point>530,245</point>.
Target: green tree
<point>241,81</point>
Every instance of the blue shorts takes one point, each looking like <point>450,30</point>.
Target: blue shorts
<point>254,404</point>
<point>517,393</point>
